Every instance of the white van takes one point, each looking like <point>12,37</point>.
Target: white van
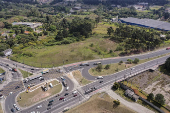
<point>51,85</point>
<point>97,63</point>
<point>67,88</point>
<point>100,77</point>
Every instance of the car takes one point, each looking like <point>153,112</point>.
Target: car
<point>17,108</point>
<point>23,66</point>
<point>67,88</point>
<point>99,77</point>
<point>17,87</point>
<point>61,98</point>
<point>97,63</point>
<point>10,69</point>
<point>66,94</point>
<point>51,101</point>
<point>1,90</point>
<point>74,95</point>
<point>41,78</point>
<point>167,48</point>
<point>49,108</point>
<point>64,99</point>
<point>33,112</point>
<point>10,93</point>
<point>132,68</point>
<point>15,105</point>
<point>12,110</point>
<point>32,68</point>
<point>15,70</point>
<point>62,78</point>
<point>40,106</point>
<point>7,64</point>
<point>50,104</point>
<point>100,81</point>
<point>74,92</point>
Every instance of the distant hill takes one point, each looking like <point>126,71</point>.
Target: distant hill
<point>22,1</point>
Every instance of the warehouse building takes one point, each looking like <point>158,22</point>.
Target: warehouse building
<point>150,23</point>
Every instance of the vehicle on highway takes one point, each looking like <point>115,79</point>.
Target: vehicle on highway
<point>17,87</point>
<point>84,64</point>
<point>12,110</point>
<point>97,63</point>
<point>132,68</point>
<point>64,99</point>
<point>61,98</point>
<point>40,106</point>
<point>99,77</point>
<point>33,112</point>
<point>64,83</point>
<point>1,90</point>
<point>167,48</point>
<point>17,108</point>
<point>15,105</point>
<point>10,93</point>
<point>51,85</point>
<point>41,78</point>
<point>45,71</point>
<point>67,88</point>
<point>100,81</point>
<point>49,108</point>
<point>23,66</point>
<point>66,94</point>
<point>74,95</point>
<point>62,78</point>
<point>13,69</point>
<point>10,69</point>
<point>32,68</point>
<point>51,101</point>
<point>7,64</point>
<point>74,92</point>
<point>50,104</point>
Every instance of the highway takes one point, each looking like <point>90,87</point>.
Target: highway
<point>107,80</point>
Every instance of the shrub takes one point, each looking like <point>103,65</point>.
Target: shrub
<point>111,51</point>
<point>120,62</point>
<point>91,45</point>
<point>29,54</point>
<point>107,67</point>
<point>116,85</point>
<point>119,48</point>
<point>117,102</point>
<point>99,68</point>
<point>136,60</point>
<point>129,61</point>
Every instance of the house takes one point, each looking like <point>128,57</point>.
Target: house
<point>129,93</point>
<point>135,97</point>
<point>143,3</point>
<point>26,32</point>
<point>7,52</point>
<point>138,7</point>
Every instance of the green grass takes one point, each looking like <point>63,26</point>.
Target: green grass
<point>31,98</point>
<point>51,56</point>
<point>1,70</point>
<point>25,74</point>
<point>80,79</point>
<point>155,7</point>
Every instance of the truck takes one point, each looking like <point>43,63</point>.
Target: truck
<point>64,83</point>
<point>45,71</point>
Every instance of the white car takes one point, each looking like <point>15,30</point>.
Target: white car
<point>62,77</point>
<point>67,88</point>
<point>100,77</point>
<point>40,106</point>
<point>74,92</point>
<point>33,112</point>
<point>15,106</point>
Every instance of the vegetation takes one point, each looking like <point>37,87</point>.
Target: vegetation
<point>167,64</point>
<point>160,99</point>
<point>25,74</point>
<point>99,68</point>
<point>136,61</point>
<point>1,70</point>
<point>150,97</point>
<point>116,86</point>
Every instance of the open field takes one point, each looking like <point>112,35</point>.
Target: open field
<point>80,79</point>
<point>100,103</point>
<point>116,67</point>
<point>156,7</point>
<point>25,74</point>
<point>1,70</point>
<point>37,95</point>
<point>79,51</point>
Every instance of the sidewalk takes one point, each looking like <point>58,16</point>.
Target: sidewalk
<point>134,106</point>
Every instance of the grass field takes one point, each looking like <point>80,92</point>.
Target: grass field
<point>100,103</point>
<point>78,51</point>
<point>116,67</point>
<point>1,70</point>
<point>80,79</point>
<point>25,74</point>
<point>31,98</point>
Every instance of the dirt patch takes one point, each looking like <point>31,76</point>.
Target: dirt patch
<point>40,96</point>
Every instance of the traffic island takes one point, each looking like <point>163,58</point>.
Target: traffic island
<point>37,93</point>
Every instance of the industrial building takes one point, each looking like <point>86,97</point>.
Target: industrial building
<point>29,24</point>
<point>150,23</point>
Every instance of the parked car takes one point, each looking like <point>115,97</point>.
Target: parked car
<point>74,92</point>
<point>40,106</point>
<point>1,90</point>
<point>51,101</point>
<point>32,68</point>
<point>61,98</point>
<point>74,95</point>
<point>66,94</point>
<point>13,69</point>
<point>49,108</point>
<point>67,88</point>
<point>15,105</point>
<point>50,104</point>
<point>17,108</point>
<point>100,81</point>
<point>12,110</point>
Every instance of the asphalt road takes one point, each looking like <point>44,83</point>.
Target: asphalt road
<point>60,105</point>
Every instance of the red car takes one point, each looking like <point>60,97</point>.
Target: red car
<point>15,70</point>
<point>74,95</point>
<point>168,48</point>
<point>61,98</point>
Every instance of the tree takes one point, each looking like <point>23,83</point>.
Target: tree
<point>107,67</point>
<point>150,96</point>
<point>59,36</point>
<point>120,62</point>
<point>129,61</point>
<point>109,31</point>
<point>160,99</point>
<point>99,68</point>
<point>52,28</point>
<point>167,64</point>
<point>116,85</point>
<point>136,60</point>
<point>117,102</point>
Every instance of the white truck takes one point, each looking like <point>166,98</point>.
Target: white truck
<point>45,71</point>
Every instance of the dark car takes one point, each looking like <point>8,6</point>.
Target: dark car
<point>61,98</point>
<point>7,64</point>
<point>32,68</point>
<point>100,81</point>
<point>49,108</point>
<point>1,90</point>
<point>51,101</point>
<point>17,87</point>
<point>50,104</point>
<point>74,95</point>
<point>66,94</point>
<point>12,110</point>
